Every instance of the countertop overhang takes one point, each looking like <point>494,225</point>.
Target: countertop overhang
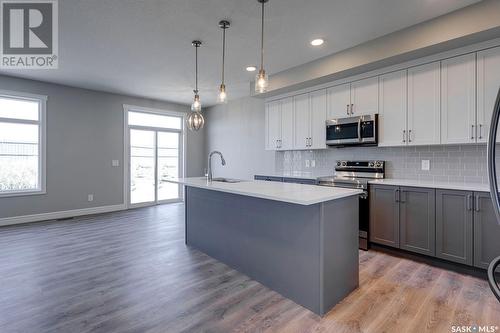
<point>286,192</point>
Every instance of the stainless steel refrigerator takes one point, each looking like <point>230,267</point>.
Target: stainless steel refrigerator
<point>492,174</point>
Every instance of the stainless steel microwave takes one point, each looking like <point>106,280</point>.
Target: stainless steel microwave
<point>360,130</point>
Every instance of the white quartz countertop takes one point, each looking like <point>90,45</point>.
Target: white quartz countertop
<point>285,192</point>
<point>478,187</point>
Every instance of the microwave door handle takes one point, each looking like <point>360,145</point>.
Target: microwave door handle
<point>359,129</point>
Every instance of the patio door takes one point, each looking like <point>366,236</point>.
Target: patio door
<point>155,155</point>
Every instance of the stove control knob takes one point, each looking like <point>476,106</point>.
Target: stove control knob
<point>338,163</point>
<point>344,163</point>
<point>370,164</point>
<point>378,164</point>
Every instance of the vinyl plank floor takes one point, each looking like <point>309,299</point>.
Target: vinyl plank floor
<point>131,272</point>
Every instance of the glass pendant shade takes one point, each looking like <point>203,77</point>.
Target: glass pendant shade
<point>222,97</point>
<point>261,82</point>
<point>195,121</point>
<point>196,106</point>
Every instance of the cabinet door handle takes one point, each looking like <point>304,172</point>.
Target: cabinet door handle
<point>480,131</point>
<point>352,109</point>
<point>310,142</point>
<point>469,202</point>
<point>409,135</point>
<point>476,204</point>
<point>472,132</point>
<point>404,136</point>
<point>347,109</point>
<point>396,195</point>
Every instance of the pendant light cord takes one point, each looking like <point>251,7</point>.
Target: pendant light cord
<point>196,68</point>
<point>262,40</point>
<point>223,50</point>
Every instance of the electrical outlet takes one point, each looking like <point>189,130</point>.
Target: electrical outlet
<point>90,197</point>
<point>313,163</point>
<point>426,165</point>
<point>115,163</point>
<point>307,163</point>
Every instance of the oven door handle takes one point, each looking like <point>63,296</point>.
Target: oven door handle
<point>359,129</point>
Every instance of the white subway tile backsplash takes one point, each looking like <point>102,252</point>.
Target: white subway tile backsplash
<point>453,163</point>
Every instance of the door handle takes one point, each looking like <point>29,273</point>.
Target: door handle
<point>359,129</point>
<point>480,131</point>
<point>396,195</point>
<point>403,194</point>
<point>472,132</point>
<point>469,202</point>
<point>347,109</point>
<point>352,109</point>
<point>404,136</point>
<point>310,142</point>
<point>476,204</point>
<point>409,135</point>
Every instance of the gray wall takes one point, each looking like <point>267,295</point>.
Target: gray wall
<point>237,130</point>
<point>84,133</point>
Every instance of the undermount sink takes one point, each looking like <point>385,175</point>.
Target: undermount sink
<point>226,180</point>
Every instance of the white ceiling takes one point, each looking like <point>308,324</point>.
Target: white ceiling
<point>143,47</point>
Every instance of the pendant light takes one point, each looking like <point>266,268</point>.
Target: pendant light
<point>261,80</point>
<point>195,120</point>
<point>222,97</point>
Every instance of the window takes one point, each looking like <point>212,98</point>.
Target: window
<point>22,143</point>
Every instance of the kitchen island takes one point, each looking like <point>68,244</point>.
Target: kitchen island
<point>299,240</point>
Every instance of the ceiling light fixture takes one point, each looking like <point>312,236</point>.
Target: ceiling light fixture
<point>261,80</point>
<point>195,120</point>
<point>251,69</point>
<point>222,97</point>
<point>317,42</point>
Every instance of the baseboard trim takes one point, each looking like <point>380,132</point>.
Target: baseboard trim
<point>60,215</point>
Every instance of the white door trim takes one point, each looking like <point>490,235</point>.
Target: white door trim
<point>126,149</point>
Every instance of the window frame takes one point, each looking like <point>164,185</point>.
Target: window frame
<point>126,147</point>
<point>42,139</point>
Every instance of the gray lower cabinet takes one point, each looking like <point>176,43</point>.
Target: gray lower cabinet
<point>268,178</point>
<point>418,220</point>
<point>384,215</point>
<point>486,231</point>
<point>458,226</point>
<point>454,226</point>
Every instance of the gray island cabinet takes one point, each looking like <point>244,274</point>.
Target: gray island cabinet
<point>299,240</point>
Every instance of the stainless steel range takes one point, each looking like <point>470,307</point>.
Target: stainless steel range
<point>356,174</point>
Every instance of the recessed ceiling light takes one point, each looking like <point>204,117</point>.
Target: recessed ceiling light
<point>317,42</point>
<point>251,69</point>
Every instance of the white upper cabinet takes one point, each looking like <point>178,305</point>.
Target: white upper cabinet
<point>424,101</point>
<point>286,142</point>
<point>392,109</point>
<point>339,101</point>
<point>318,119</point>
<point>302,121</point>
<point>458,99</point>
<point>364,97</point>
<point>273,125</point>
<point>449,101</point>
<point>488,83</point>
